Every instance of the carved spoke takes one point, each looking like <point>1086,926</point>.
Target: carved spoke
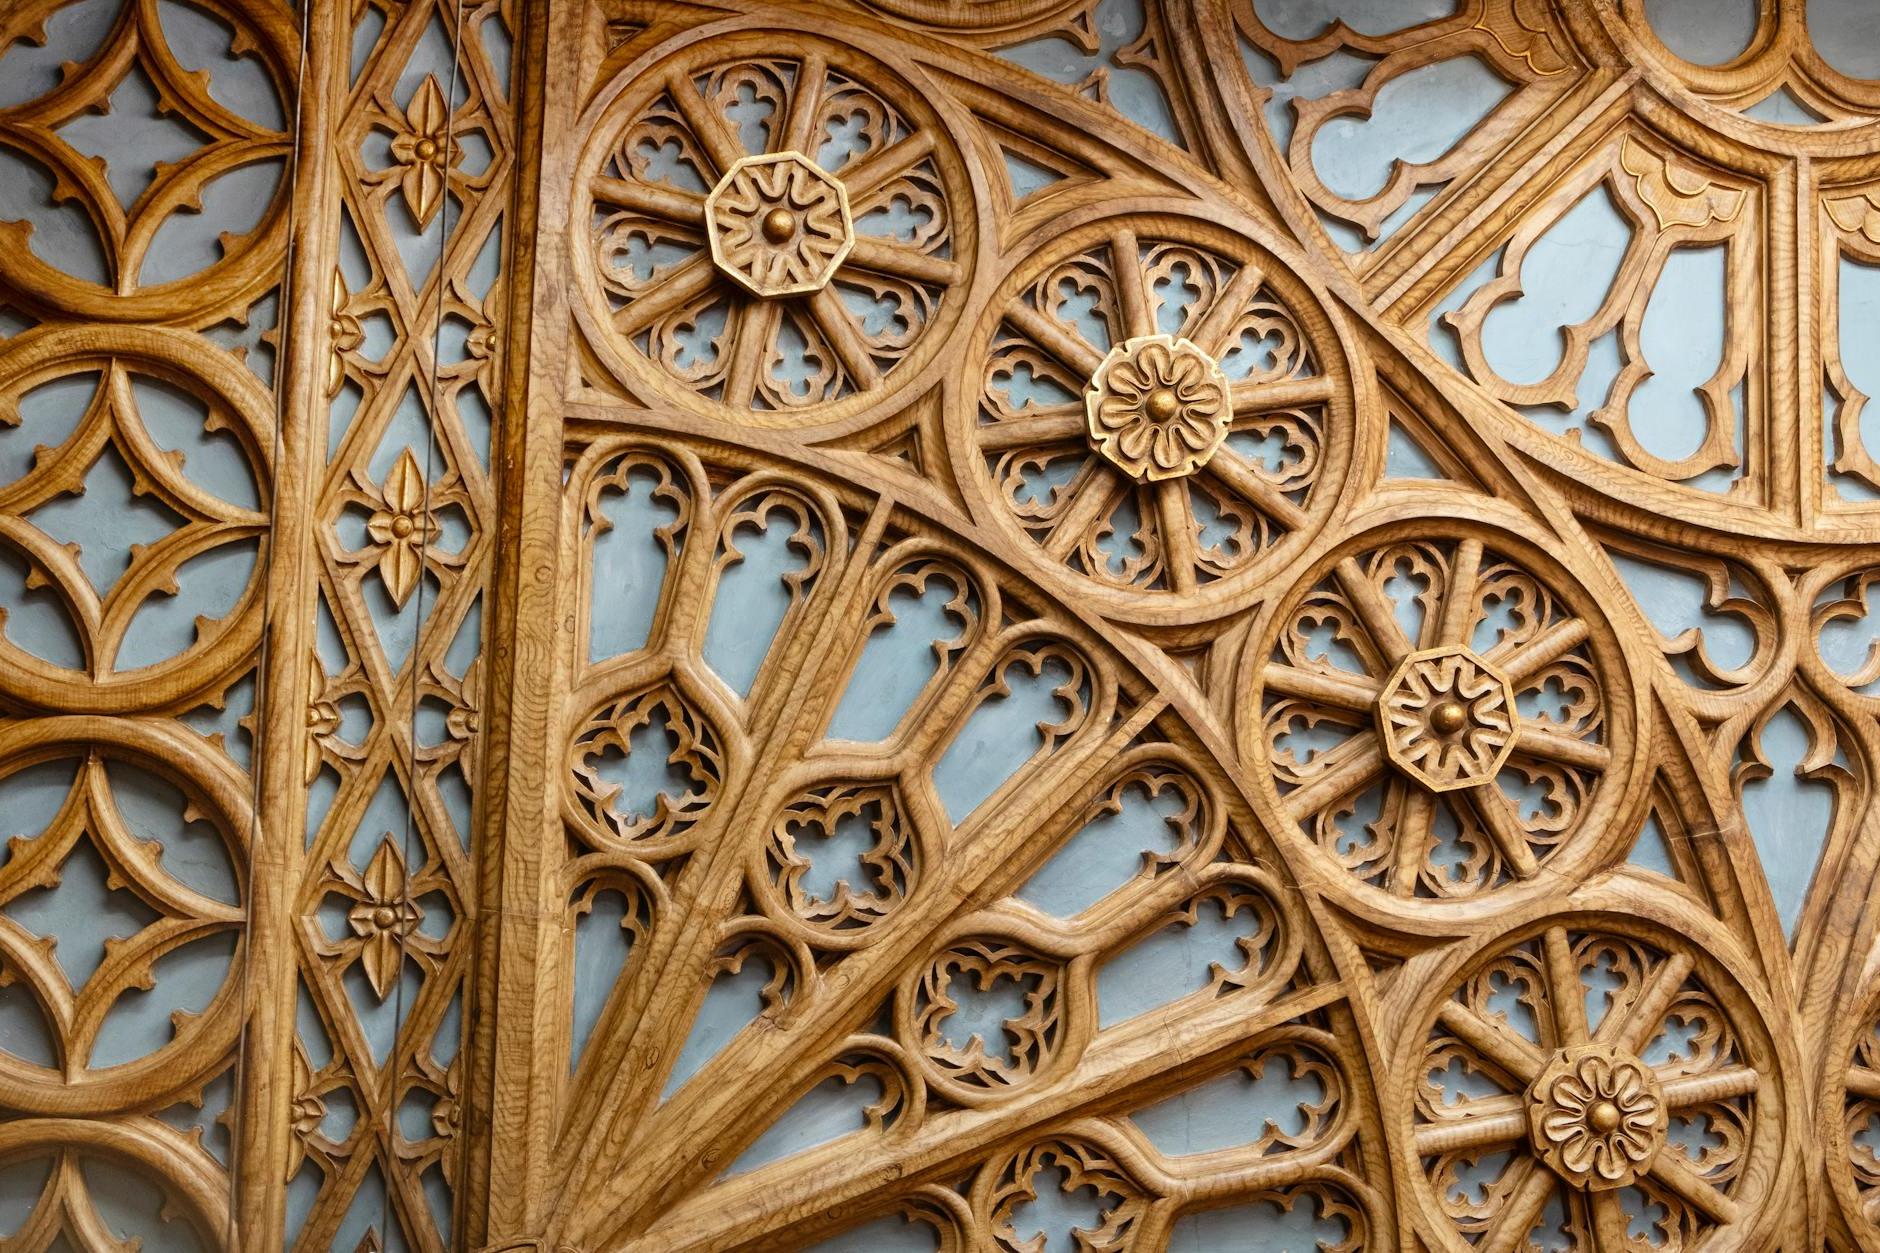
<point>1494,1040</point>
<point>844,336</point>
<point>720,145</point>
<point>1566,997</point>
<point>757,329</point>
<point>883,257</point>
<point>1674,1170</point>
<point>1489,1121</point>
<point>1416,813</point>
<point>1519,662</point>
<point>1033,429</point>
<point>1646,1014</point>
<point>1535,740</point>
<point>1461,596</point>
<point>1610,1223</point>
<point>1176,525</point>
<point>1252,397</point>
<point>1348,768</point>
<point>1495,812</point>
<point>1337,688</point>
<point>805,100</point>
<point>1057,339</point>
<point>1131,288</point>
<point>686,282</point>
<point>877,170</point>
<point>1237,475</point>
<point>669,204</point>
<point>1091,499</point>
<point>1214,332</point>
<point>1511,1226</point>
<point>1374,610</point>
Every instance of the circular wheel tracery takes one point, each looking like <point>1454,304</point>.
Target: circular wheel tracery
<point>1160,410</point>
<point>774,239</point>
<point>1595,1075</point>
<point>1441,718</point>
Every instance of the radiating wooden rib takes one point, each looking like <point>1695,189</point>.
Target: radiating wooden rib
<point>1350,771</point>
<point>804,102</point>
<point>1459,597</point>
<point>1566,993</point>
<point>1211,334</point>
<point>1509,1229</point>
<point>680,285</point>
<point>1033,429</point>
<point>720,145</point>
<point>1249,397</point>
<point>1374,610</point>
<point>1674,1170</point>
<point>1497,1042</point>
<point>705,1115</point>
<point>1646,1013</point>
<point>1610,1224</point>
<point>1237,475</point>
<point>1357,693</point>
<point>757,326</point>
<point>1415,814</point>
<point>863,178</point>
<point>1132,290</point>
<point>1180,552</point>
<point>845,338</point>
<point>1496,813</point>
<point>1091,499</point>
<point>900,261</point>
<point>1535,740</point>
<point>1490,1120</point>
<point>1055,338</point>
<point>1140,1055</point>
<point>662,983</point>
<point>669,204</point>
<point>1519,661</point>
<point>1684,1091</point>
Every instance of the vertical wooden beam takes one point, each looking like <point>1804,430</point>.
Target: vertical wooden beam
<point>516,1058</point>
<point>264,1130</point>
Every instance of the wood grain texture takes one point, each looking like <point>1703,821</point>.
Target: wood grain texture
<point>1512,739</point>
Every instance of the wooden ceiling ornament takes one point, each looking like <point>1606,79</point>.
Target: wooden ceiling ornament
<point>1104,624</point>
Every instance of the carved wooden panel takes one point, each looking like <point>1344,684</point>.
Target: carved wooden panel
<point>931,624</point>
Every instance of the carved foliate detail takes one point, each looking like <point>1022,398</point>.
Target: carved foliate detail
<point>1596,1116</point>
<point>779,225</point>
<point>1157,408</point>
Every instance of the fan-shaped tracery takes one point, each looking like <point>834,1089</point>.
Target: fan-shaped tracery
<point>870,878</point>
<point>1162,410</point>
<point>1595,1077</point>
<point>1442,717</point>
<point>777,238</point>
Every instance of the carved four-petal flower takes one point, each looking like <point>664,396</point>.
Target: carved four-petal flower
<point>422,145</point>
<point>403,527</point>
<point>384,915</point>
